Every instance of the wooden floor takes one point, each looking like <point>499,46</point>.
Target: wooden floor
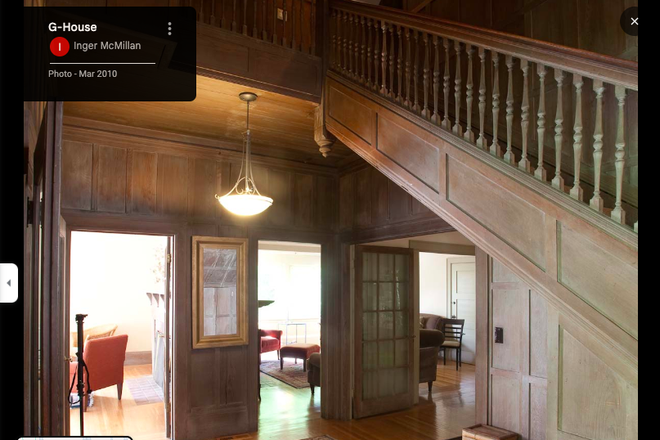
<point>286,413</point>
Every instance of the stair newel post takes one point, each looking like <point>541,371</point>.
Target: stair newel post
<point>618,214</point>
<point>495,148</point>
<point>596,201</point>
<point>408,50</point>
<point>416,107</point>
<point>524,163</point>
<point>457,129</point>
<point>558,181</point>
<point>577,192</point>
<point>363,77</point>
<point>481,141</point>
<point>399,66</point>
<point>445,86</point>
<point>541,172</point>
<point>436,80</point>
<point>383,60</point>
<point>469,133</point>
<point>376,85</point>
<point>425,77</point>
<point>508,155</point>
<point>391,91</point>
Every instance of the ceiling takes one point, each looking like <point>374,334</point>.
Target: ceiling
<point>282,126</point>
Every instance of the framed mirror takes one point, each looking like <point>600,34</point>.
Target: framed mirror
<point>219,277</point>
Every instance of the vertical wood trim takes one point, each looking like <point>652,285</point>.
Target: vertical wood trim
<point>415,309</point>
<point>95,176</point>
<point>551,256</point>
<point>483,325</point>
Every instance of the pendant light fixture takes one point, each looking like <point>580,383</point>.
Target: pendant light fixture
<point>244,199</point>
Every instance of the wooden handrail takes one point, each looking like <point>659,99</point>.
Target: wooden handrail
<point>606,68</point>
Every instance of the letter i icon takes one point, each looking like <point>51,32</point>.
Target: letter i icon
<point>59,46</point>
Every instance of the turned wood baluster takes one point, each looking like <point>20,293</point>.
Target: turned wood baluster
<point>524,163</point>
<point>383,60</point>
<point>301,20</point>
<point>509,156</point>
<point>212,18</point>
<point>369,40</point>
<point>245,26</point>
<point>425,77</point>
<point>618,214</point>
<point>349,44</point>
<point>357,48</point>
<point>436,80</point>
<point>481,141</point>
<point>264,32</point>
<point>469,133</point>
<point>541,172</point>
<point>495,148</point>
<point>577,192</point>
<point>233,21</point>
<point>293,24</point>
<point>312,28</point>
<point>255,31</point>
<point>286,18</point>
<point>363,77</point>
<point>352,46</point>
<point>457,129</point>
<point>345,31</point>
<point>445,86</point>
<point>596,201</point>
<point>416,107</point>
<point>333,39</point>
<point>391,91</point>
<point>558,181</point>
<point>399,67</point>
<point>201,11</point>
<point>408,49</point>
<point>275,40</point>
<point>376,85</point>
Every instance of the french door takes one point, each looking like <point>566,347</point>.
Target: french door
<point>384,331</point>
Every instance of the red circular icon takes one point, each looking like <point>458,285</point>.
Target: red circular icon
<point>59,46</point>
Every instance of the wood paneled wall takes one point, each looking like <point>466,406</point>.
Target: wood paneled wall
<point>584,24</point>
<point>138,183</point>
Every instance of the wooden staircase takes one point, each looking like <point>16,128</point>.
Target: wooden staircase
<point>518,144</point>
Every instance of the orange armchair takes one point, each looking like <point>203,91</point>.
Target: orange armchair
<point>270,340</point>
<point>105,361</point>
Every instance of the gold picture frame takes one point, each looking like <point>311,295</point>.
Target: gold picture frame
<point>219,291</point>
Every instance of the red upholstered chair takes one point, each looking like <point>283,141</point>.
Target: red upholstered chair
<point>271,340</point>
<point>105,361</point>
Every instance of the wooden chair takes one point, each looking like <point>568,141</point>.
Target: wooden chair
<point>453,330</point>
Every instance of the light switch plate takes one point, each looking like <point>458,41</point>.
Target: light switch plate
<point>499,335</point>
<point>8,283</point>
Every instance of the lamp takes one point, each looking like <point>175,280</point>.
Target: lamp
<point>244,199</point>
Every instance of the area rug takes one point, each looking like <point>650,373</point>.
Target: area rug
<point>292,374</point>
<point>144,390</point>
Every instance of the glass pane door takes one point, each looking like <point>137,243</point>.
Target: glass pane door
<point>384,335</point>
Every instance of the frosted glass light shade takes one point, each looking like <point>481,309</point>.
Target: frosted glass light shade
<point>246,204</point>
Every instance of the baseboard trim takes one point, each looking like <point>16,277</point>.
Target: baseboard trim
<point>138,358</point>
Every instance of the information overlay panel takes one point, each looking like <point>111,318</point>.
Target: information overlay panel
<point>109,54</point>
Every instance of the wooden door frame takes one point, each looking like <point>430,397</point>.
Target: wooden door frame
<point>331,343</point>
<point>112,224</point>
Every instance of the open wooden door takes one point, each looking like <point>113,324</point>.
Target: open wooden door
<point>167,382</point>
<point>384,330</point>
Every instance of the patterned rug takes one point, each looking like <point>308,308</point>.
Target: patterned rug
<point>144,390</point>
<point>292,374</point>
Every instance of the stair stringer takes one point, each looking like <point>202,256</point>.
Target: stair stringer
<point>584,264</point>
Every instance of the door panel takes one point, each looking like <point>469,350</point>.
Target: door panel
<point>462,294</point>
<point>167,374</point>
<point>384,332</point>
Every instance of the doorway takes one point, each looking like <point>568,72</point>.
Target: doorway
<point>124,284</point>
<point>289,294</point>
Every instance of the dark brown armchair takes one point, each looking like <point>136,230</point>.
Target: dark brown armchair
<point>429,346</point>
<point>314,371</point>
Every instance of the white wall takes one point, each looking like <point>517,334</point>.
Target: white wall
<point>293,280</point>
<point>110,275</point>
<point>433,283</point>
